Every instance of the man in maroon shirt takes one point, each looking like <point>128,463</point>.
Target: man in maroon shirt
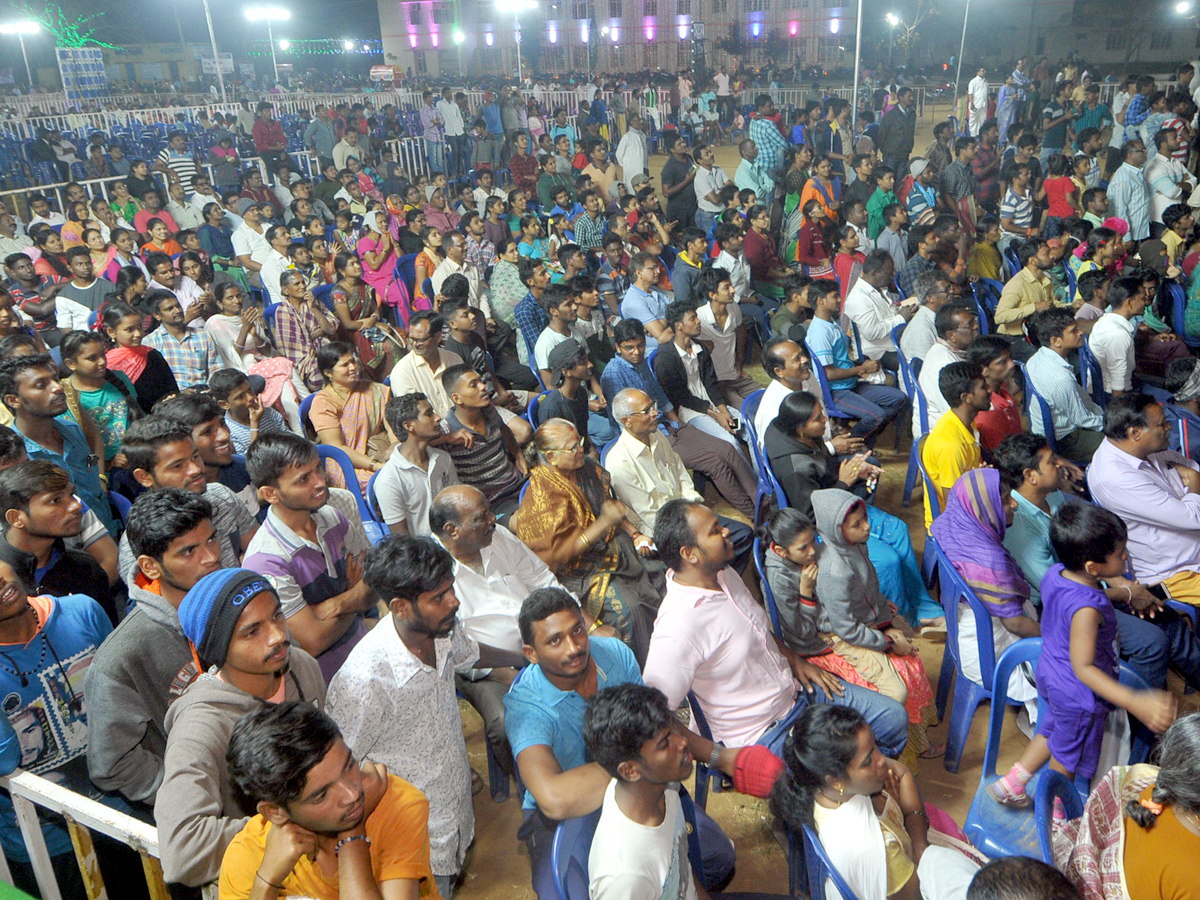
<point>254,189</point>
<point>269,141</point>
<point>523,166</point>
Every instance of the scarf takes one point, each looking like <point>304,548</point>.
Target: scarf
<point>971,533</point>
<point>130,360</point>
<point>1191,388</point>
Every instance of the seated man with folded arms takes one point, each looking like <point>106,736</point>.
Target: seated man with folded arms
<point>544,713</point>
<point>1155,491</point>
<point>713,639</point>
<point>328,825</point>
<point>646,473</point>
<point>1078,422</point>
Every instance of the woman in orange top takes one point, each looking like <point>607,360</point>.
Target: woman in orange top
<point>160,239</point>
<point>825,187</point>
<point>812,247</point>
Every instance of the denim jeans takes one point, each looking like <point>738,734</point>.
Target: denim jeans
<point>705,220</point>
<point>1151,645</point>
<point>874,405</point>
<point>887,718</point>
<point>435,151</point>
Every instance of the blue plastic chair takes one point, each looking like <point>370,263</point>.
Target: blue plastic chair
<point>604,450</point>
<point>706,778</point>
<point>533,367</point>
<point>998,830</point>
<point>908,382</point>
<point>831,408</point>
<point>375,530</point>
<point>967,694</point>
<point>1050,786</point>
<point>982,312</point>
<point>935,505</point>
<point>1043,423</point>
<point>305,407</point>
<point>766,482</point>
<point>820,869</point>
<point>1090,375</point>
<point>324,293</point>
<point>269,310</point>
<point>760,566</point>
<point>531,413</point>
<point>406,271</point>
<point>121,504</point>
<point>1178,311</point>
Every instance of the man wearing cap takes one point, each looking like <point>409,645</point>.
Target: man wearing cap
<point>633,152</point>
<point>922,202</point>
<point>234,623</point>
<point>395,696</point>
<point>568,398</point>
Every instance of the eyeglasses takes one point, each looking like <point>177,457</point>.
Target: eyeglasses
<point>571,449</point>
<point>652,408</point>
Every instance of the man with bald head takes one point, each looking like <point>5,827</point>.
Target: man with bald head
<point>493,574</point>
<point>647,473</point>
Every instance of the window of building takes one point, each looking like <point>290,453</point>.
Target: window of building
<point>1115,40</point>
<point>720,6</point>
<point>554,57</point>
<point>414,14</point>
<point>579,9</point>
<point>683,7</point>
<point>419,64</point>
<point>650,8</point>
<point>1040,47</point>
<point>442,15</point>
<point>758,5</point>
<point>1160,40</point>
<point>615,8</point>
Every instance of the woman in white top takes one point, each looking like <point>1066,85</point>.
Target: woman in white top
<point>243,344</point>
<point>867,812</point>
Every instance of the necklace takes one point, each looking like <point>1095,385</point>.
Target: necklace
<point>16,670</point>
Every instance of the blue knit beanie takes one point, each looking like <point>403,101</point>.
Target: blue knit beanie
<point>209,613</point>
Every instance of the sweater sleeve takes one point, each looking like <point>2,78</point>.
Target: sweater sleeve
<point>192,830</point>
<point>117,721</point>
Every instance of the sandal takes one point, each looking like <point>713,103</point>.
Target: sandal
<point>935,751</point>
<point>1004,795</point>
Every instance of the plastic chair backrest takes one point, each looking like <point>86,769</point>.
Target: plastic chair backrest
<point>1043,424</point>
<point>831,408</point>
<point>305,406</point>
<point>650,357</point>
<point>1090,375</point>
<point>1050,786</point>
<point>760,566</point>
<point>749,410</point>
<point>374,529</point>
<point>373,501</point>
<point>954,590</point>
<point>857,339</point>
<point>930,489</point>
<point>531,413</point>
<point>121,504</point>
<point>604,450</point>
<point>406,271</point>
<point>324,293</point>
<point>821,869</point>
<point>569,855</point>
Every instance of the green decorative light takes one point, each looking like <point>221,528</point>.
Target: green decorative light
<point>319,47</point>
<point>67,32</point>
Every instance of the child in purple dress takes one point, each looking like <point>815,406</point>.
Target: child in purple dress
<point>1077,669</point>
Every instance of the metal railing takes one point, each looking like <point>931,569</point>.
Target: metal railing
<point>83,816</point>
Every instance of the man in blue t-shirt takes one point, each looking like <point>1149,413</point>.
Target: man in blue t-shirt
<point>543,717</point>
<point>872,402</point>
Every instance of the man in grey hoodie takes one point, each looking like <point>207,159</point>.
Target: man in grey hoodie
<point>233,620</point>
<point>146,662</point>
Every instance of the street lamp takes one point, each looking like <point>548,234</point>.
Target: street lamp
<point>269,13</point>
<point>893,20</point>
<point>961,44</point>
<point>516,7</point>
<point>20,29</point>
<point>1183,7</point>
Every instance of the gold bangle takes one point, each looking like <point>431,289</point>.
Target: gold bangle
<point>584,539</point>
<point>595,625</point>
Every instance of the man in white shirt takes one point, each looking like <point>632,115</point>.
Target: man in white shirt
<point>872,311</point>
<point>420,370</point>
<point>415,472</point>
<point>42,213</point>
<point>455,130</point>
<point>712,638</point>
<point>1111,340</point>
<point>707,183</point>
<point>250,242</point>
<point>956,327</point>
<point>279,239</point>
<point>493,574</point>
<point>394,696</point>
<point>647,473</point>
<point>633,152</point>
<point>345,148</point>
<point>454,245</point>
<point>640,847</point>
<point>721,324</point>
<point>932,290</point>
<point>1167,177</point>
<point>789,368</point>
<point>977,101</point>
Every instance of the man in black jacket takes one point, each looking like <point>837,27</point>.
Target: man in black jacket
<point>40,510</point>
<point>897,131</point>
<point>688,377</point>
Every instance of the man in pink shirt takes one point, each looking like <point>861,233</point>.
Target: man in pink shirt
<point>711,637</point>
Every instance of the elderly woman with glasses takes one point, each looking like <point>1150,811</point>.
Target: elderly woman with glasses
<point>302,327</point>
<point>572,520</point>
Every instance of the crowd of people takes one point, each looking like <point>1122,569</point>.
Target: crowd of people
<point>288,468</point>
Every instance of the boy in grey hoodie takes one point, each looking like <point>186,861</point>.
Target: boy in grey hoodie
<point>146,662</point>
<point>234,622</point>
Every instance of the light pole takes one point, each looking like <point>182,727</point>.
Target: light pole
<point>182,43</point>
<point>857,69</point>
<point>961,44</point>
<point>516,7</point>
<point>20,29</point>
<point>212,36</point>
<point>269,13</point>
<point>893,20</point>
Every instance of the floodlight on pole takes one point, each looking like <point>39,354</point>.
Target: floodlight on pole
<point>269,14</point>
<point>516,7</point>
<point>961,46</point>
<point>20,29</point>
<point>1183,7</point>
<point>893,20</point>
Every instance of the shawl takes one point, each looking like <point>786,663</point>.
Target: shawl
<point>130,360</point>
<point>971,533</point>
<point>853,837</point>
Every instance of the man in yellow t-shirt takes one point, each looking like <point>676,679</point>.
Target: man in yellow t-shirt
<point>323,821</point>
<point>952,445</point>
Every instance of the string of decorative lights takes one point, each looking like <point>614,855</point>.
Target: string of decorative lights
<point>318,47</point>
